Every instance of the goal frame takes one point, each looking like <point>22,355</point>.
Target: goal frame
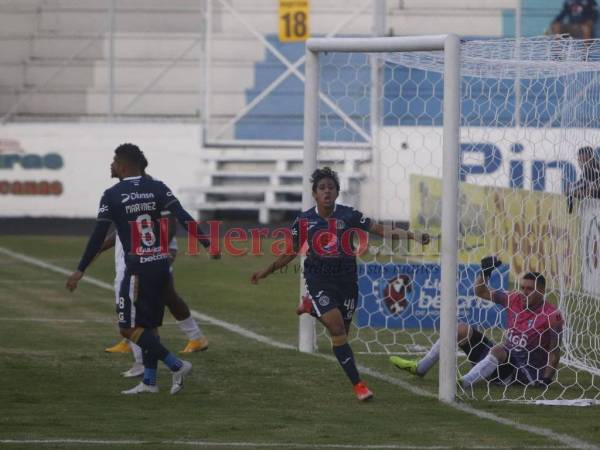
<point>450,45</point>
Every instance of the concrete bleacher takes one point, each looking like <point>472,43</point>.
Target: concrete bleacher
<point>58,57</point>
<point>38,36</point>
<point>268,181</point>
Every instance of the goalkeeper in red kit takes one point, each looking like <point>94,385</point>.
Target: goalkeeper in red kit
<point>529,353</point>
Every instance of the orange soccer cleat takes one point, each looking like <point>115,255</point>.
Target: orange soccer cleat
<point>195,345</point>
<point>363,393</point>
<point>121,347</point>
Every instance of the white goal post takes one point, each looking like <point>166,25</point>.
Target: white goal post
<point>450,44</point>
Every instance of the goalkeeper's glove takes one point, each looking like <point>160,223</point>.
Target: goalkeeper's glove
<point>488,264</point>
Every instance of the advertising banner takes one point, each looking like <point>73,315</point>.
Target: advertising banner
<point>590,245</point>
<point>532,159</point>
<point>61,170</point>
<point>408,296</point>
<point>528,230</point>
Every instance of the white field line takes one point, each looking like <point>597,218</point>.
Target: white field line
<point>547,433</point>
<point>211,444</point>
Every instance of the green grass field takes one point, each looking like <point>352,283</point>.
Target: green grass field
<point>59,389</point>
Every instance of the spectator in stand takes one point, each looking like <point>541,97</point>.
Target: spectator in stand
<point>588,184</point>
<point>580,15</point>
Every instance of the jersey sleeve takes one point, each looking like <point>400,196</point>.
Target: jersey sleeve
<point>359,220</point>
<point>94,244</point>
<point>295,228</point>
<point>165,196</point>
<point>105,209</point>
<point>168,202</point>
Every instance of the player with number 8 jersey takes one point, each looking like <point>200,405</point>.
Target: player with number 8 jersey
<point>135,205</point>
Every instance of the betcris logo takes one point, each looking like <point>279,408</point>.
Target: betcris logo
<point>422,307</point>
<point>486,159</point>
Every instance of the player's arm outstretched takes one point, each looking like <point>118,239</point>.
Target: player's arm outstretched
<point>382,231</point>
<point>284,259</point>
<point>280,262</point>
<point>171,204</point>
<point>109,242</point>
<point>94,244</point>
<point>172,233</point>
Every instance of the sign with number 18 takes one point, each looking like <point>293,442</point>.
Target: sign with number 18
<point>294,20</point>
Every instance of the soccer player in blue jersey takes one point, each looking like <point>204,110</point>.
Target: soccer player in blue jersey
<point>197,341</point>
<point>330,267</point>
<point>134,205</point>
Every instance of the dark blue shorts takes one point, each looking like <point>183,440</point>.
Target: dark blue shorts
<point>326,296</point>
<point>522,367</point>
<point>141,299</point>
<point>517,369</point>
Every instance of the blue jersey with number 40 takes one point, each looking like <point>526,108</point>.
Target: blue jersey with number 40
<point>331,250</point>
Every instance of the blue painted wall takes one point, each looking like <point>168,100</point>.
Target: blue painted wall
<point>535,17</point>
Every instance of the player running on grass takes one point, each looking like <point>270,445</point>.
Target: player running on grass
<point>530,350</point>
<point>330,267</point>
<point>139,200</point>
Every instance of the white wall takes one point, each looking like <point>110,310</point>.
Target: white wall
<point>407,151</point>
<point>86,150</point>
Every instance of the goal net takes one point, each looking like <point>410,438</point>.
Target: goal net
<point>526,107</point>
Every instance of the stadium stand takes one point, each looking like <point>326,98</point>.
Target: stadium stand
<point>232,178</point>
<point>55,52</point>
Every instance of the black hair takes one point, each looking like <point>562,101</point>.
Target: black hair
<point>143,163</point>
<point>537,277</point>
<point>321,174</point>
<point>587,150</point>
<point>132,154</point>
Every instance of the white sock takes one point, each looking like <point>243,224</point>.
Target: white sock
<point>480,371</point>
<point>190,328</point>
<point>432,356</point>
<point>137,352</point>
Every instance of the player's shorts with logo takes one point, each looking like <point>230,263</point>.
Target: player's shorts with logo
<point>521,366</point>
<point>141,299</point>
<point>326,296</point>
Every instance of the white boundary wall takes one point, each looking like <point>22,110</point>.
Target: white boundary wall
<point>78,157</point>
